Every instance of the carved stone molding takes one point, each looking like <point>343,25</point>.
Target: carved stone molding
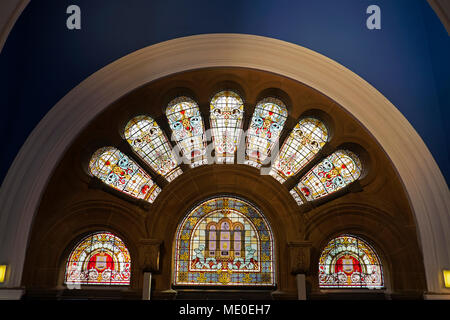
<point>149,251</point>
<point>45,146</point>
<point>299,256</point>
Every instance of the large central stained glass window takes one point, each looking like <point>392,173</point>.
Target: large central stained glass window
<point>224,241</point>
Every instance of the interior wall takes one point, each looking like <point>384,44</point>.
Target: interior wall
<point>378,210</point>
<point>405,149</point>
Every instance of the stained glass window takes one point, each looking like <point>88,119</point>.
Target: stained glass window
<point>349,262</point>
<point>226,114</point>
<point>187,127</point>
<point>151,144</point>
<point>224,241</point>
<point>305,140</point>
<point>331,174</point>
<point>120,172</point>
<point>267,122</point>
<point>99,259</point>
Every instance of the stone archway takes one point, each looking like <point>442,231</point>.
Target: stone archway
<point>422,179</point>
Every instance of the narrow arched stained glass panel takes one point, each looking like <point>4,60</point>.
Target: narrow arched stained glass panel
<point>121,173</point>
<point>224,241</point>
<point>304,142</point>
<point>267,122</point>
<point>349,262</point>
<point>333,173</point>
<point>187,128</point>
<point>99,259</point>
<point>151,144</point>
<point>226,114</point>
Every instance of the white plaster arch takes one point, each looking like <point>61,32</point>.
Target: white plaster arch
<point>427,190</point>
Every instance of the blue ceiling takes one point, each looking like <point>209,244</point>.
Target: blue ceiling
<point>407,60</point>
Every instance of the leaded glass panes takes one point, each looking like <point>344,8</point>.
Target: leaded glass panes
<point>267,122</point>
<point>349,262</point>
<point>224,241</point>
<point>120,172</point>
<point>305,140</point>
<point>331,174</point>
<point>187,127</point>
<point>151,144</point>
<point>226,114</point>
<point>99,259</point>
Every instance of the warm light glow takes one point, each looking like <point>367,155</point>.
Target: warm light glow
<point>2,273</point>
<point>447,278</point>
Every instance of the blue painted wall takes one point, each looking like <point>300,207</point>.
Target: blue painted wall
<point>407,60</point>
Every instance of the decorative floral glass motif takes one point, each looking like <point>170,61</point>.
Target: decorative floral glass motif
<point>99,259</point>
<point>305,140</point>
<point>267,122</point>
<point>349,262</point>
<point>151,144</point>
<point>188,130</point>
<point>331,174</point>
<point>226,114</point>
<point>224,241</point>
<point>120,172</point>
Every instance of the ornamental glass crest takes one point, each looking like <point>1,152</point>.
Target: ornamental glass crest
<point>267,122</point>
<point>120,172</point>
<point>226,114</point>
<point>333,173</point>
<point>151,144</point>
<point>224,241</point>
<point>304,142</point>
<point>99,259</point>
<point>349,262</point>
<point>187,128</point>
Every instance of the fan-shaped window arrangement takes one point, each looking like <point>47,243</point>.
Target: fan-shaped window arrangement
<point>226,114</point>
<point>331,174</point>
<point>99,259</point>
<point>187,127</point>
<point>349,262</point>
<point>304,142</point>
<point>151,144</point>
<point>224,241</point>
<point>267,122</point>
<point>120,172</point>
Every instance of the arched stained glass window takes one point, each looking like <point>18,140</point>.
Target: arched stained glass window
<point>224,241</point>
<point>99,259</point>
<point>187,127</point>
<point>151,144</point>
<point>120,172</point>
<point>267,122</point>
<point>305,140</point>
<point>331,174</point>
<point>226,114</point>
<point>349,262</point>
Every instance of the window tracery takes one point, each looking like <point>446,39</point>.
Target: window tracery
<point>148,140</point>
<point>224,241</point>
